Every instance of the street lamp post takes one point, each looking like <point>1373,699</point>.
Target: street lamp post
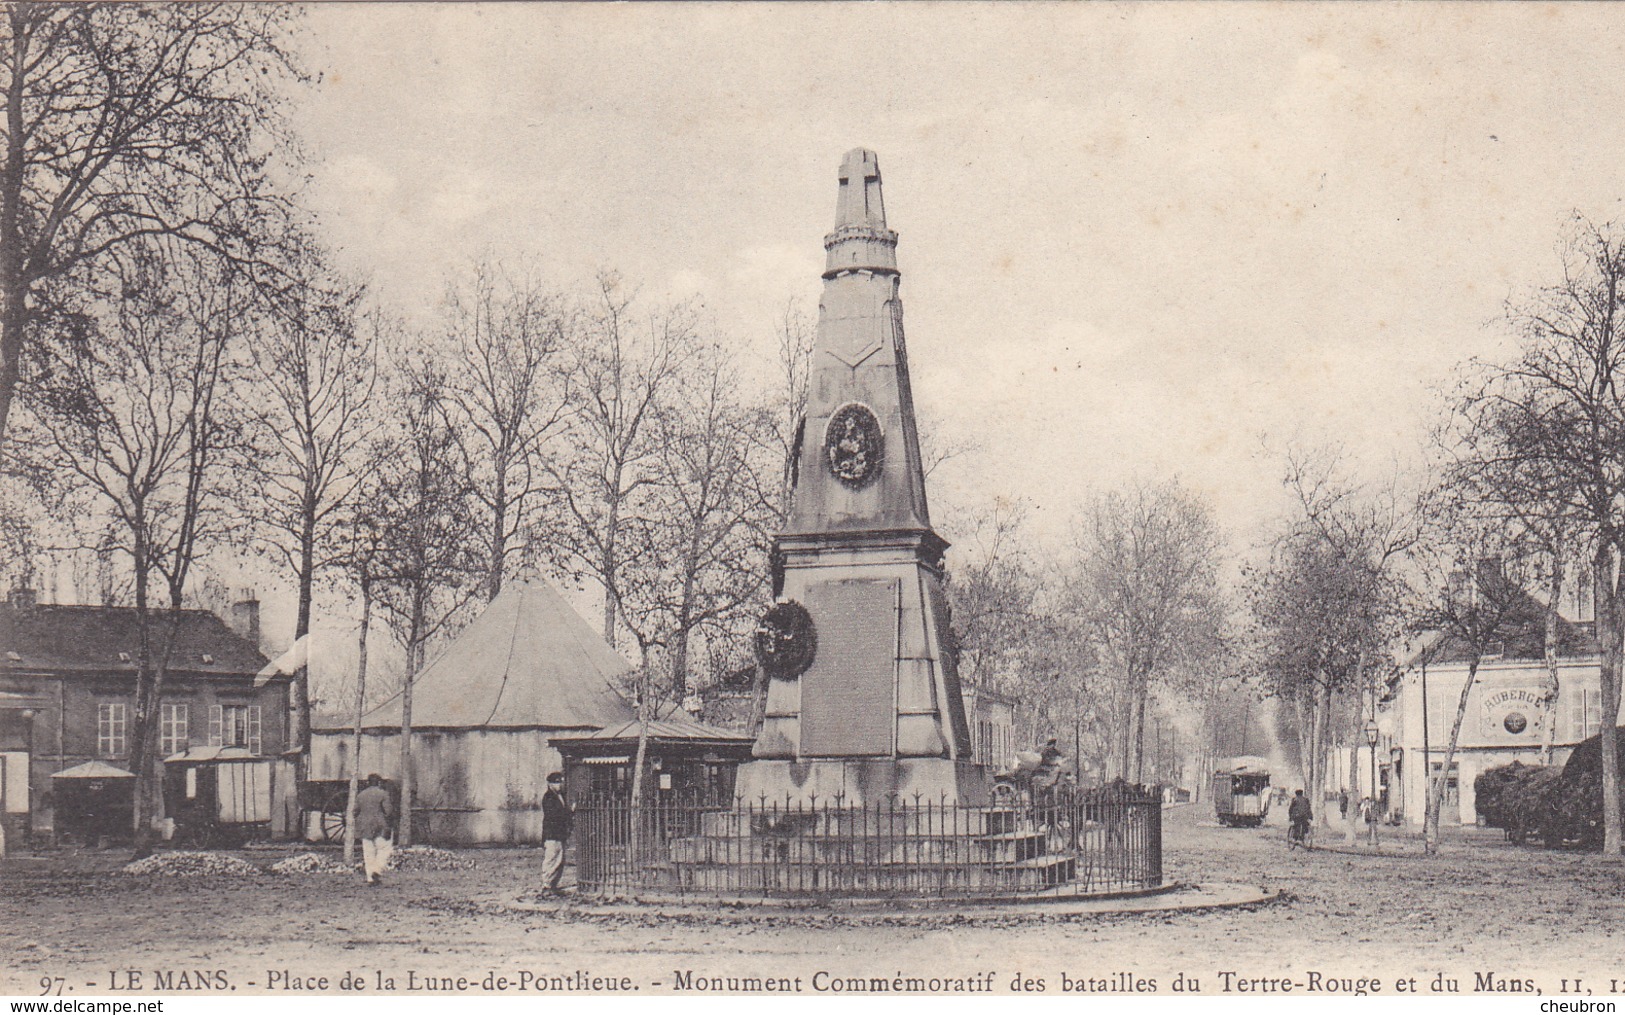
<point>1372,734</point>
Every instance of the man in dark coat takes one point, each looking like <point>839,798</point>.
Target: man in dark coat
<point>1300,814</point>
<point>374,816</point>
<point>556,819</point>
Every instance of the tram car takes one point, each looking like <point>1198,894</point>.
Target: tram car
<point>1241,797</point>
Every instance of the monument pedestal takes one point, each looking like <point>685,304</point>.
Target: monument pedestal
<point>865,782</point>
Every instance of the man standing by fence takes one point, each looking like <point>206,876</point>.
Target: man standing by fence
<point>556,819</point>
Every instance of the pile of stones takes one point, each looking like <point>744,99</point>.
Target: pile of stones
<point>187,865</point>
<point>428,858</point>
<point>311,863</point>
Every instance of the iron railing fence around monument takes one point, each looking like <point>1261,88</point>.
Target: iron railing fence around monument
<point>1089,843</point>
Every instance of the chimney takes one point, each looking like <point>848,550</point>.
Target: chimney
<point>23,597</point>
<point>245,619</point>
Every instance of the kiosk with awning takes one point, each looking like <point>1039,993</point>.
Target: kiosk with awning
<point>95,802</point>
<point>683,760</point>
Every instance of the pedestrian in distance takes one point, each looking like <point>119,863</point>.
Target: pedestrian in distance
<point>1343,804</point>
<point>1051,755</point>
<point>1368,813</point>
<point>1299,813</point>
<point>374,819</point>
<point>556,818</point>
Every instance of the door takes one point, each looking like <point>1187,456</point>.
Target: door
<point>14,803</point>
<point>1450,803</point>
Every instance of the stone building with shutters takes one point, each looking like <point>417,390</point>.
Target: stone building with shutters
<point>67,695</point>
<point>1508,716</point>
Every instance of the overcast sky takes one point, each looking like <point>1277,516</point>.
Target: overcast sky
<point>1135,240</point>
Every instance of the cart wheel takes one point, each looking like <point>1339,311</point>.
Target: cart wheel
<point>333,815</point>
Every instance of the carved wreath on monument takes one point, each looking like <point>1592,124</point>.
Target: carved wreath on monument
<point>854,445</point>
<point>786,641</point>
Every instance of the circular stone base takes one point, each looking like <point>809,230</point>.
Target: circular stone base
<point>1170,898</point>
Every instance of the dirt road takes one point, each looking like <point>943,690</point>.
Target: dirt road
<point>1484,914</point>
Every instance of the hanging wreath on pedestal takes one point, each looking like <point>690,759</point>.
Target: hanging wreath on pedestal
<point>786,641</point>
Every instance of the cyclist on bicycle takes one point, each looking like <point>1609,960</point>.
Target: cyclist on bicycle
<point>1300,814</point>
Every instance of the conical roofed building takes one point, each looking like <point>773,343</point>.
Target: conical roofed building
<point>527,669</point>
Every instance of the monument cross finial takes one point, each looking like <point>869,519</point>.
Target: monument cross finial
<point>860,202</point>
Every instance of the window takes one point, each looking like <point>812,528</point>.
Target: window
<point>235,726</point>
<point>173,736</point>
<point>112,726</point>
<point>1585,714</point>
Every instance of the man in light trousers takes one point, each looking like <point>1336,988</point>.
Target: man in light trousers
<point>374,816</point>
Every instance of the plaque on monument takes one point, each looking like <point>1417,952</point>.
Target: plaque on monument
<point>848,707</point>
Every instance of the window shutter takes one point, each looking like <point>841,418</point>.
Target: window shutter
<point>253,729</point>
<point>214,725</point>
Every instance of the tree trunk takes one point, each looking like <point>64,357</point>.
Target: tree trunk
<point>685,617</point>
<point>414,657</point>
<point>140,744</point>
<point>1323,746</point>
<point>606,573</point>
<point>360,709</point>
<point>1349,832</point>
<point>299,688</point>
<point>499,527</point>
<point>13,288</point>
<point>1141,693</point>
<point>1608,636</point>
<point>1125,748</point>
<point>1436,794</point>
<point>1549,643</point>
<point>635,808</point>
<point>1306,743</point>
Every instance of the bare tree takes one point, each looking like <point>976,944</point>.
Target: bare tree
<point>994,592</point>
<point>939,444</point>
<point>1470,588</point>
<point>1327,605</point>
<point>603,477</point>
<point>134,408</point>
<point>786,411</point>
<point>1145,581</point>
<point>313,371</point>
<point>1059,682</point>
<point>1553,423</point>
<point>1015,631</point>
<point>506,333</point>
<point>125,121</point>
<point>701,553</point>
<point>1528,498</point>
<point>361,562</point>
<point>783,421</point>
<point>420,508</point>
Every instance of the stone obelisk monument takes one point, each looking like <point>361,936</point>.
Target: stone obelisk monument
<point>863,701</point>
